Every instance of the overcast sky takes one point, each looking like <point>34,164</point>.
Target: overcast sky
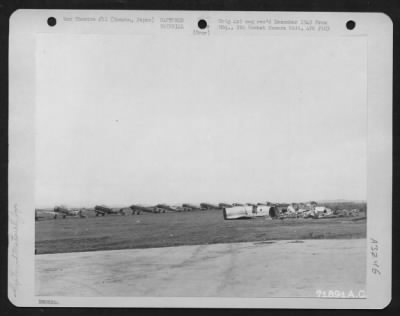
<point>124,120</point>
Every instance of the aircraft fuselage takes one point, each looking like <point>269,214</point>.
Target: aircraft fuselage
<point>209,206</point>
<point>103,210</point>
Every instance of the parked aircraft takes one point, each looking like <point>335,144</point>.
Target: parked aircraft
<point>40,212</point>
<point>103,210</point>
<point>209,206</point>
<point>147,209</point>
<point>190,207</point>
<point>169,208</point>
<point>61,211</point>
<point>222,205</point>
<point>250,211</point>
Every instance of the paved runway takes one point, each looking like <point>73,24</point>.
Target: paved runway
<point>251,269</point>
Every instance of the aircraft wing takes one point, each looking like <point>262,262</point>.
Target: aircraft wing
<point>46,212</point>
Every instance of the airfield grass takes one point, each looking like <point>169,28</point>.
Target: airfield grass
<point>186,228</point>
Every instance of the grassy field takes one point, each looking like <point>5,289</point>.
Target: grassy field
<point>173,229</point>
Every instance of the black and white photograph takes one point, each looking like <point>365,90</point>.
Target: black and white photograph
<point>209,155</point>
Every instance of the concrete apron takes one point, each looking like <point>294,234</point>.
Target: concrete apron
<point>251,269</point>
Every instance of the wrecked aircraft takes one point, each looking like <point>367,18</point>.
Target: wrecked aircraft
<point>250,211</point>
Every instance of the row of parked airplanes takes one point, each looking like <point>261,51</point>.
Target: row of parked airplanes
<point>100,210</point>
<point>229,211</point>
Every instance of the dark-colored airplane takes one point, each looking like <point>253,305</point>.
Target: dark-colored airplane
<point>209,206</point>
<point>103,210</point>
<point>169,208</point>
<point>190,207</point>
<point>60,211</point>
<point>223,205</point>
<point>147,209</point>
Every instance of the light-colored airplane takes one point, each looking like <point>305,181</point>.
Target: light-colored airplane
<point>61,211</point>
<point>103,210</point>
<point>251,211</point>
<point>322,211</point>
<point>209,206</point>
